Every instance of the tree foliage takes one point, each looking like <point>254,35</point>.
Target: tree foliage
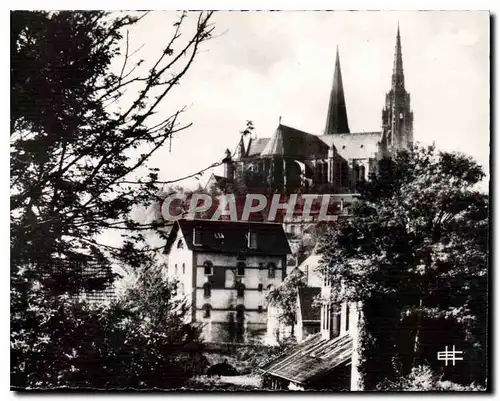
<point>284,297</point>
<point>82,130</point>
<point>415,252</point>
<point>140,341</point>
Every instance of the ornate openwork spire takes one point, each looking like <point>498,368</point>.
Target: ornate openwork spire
<point>398,78</point>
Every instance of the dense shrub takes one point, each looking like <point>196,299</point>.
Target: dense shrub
<point>422,378</point>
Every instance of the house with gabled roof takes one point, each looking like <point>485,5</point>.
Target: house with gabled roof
<point>225,269</point>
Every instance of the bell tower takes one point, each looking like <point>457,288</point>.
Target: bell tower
<point>397,116</point>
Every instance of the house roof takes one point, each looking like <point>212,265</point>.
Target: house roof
<point>216,180</point>
<point>310,359</point>
<point>231,237</point>
<point>312,261</point>
<point>309,312</point>
<point>293,143</point>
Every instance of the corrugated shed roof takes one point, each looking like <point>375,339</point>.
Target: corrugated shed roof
<point>310,359</point>
<point>361,145</point>
<point>308,311</point>
<point>293,143</point>
<point>256,146</point>
<point>231,237</point>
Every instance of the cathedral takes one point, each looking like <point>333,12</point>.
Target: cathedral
<point>294,161</point>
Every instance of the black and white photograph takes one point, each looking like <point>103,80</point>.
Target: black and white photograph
<point>250,201</point>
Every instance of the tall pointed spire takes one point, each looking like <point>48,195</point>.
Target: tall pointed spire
<point>336,120</point>
<point>398,78</point>
<point>397,116</point>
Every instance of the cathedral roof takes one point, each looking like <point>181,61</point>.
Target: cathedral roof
<point>256,146</point>
<point>361,145</point>
<point>293,143</point>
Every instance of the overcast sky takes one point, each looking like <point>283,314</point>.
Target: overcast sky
<point>264,65</point>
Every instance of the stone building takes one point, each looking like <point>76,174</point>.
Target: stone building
<point>335,160</point>
<point>338,158</point>
<point>225,269</point>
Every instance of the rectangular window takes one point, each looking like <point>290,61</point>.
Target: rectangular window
<point>260,309</point>
<point>336,324</point>
<point>260,287</point>
<point>347,312</point>
<point>252,240</point>
<point>207,290</point>
<point>207,312</point>
<point>271,272</point>
<point>240,269</point>
<point>345,175</point>
<point>183,268</point>
<point>207,267</point>
<point>197,237</point>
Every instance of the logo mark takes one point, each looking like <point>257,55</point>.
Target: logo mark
<point>449,356</point>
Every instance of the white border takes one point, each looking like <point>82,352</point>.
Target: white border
<point>196,5</point>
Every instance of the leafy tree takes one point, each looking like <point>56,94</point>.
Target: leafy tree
<point>284,297</point>
<point>139,341</point>
<point>77,145</point>
<point>415,254</point>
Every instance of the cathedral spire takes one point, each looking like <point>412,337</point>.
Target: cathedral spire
<point>398,78</point>
<point>336,120</point>
<point>397,116</point>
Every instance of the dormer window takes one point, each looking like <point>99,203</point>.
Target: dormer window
<point>197,236</point>
<point>252,240</point>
